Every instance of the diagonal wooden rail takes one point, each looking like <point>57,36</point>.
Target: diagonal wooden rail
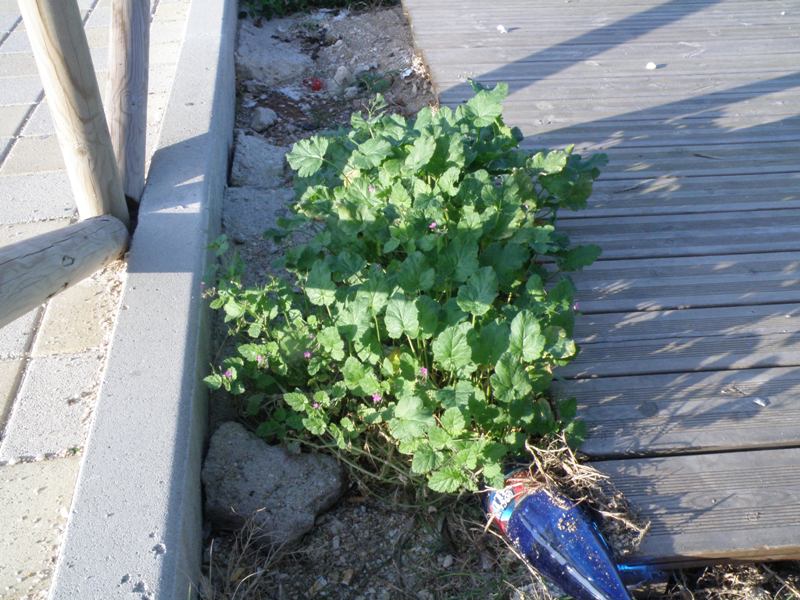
<point>689,376</point>
<point>33,271</point>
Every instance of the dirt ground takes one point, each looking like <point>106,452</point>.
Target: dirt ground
<point>377,547</point>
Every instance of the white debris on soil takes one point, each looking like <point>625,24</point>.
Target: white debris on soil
<point>651,66</point>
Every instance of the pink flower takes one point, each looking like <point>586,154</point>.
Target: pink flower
<point>575,307</point>
<point>228,374</point>
<point>423,372</point>
<point>307,354</point>
<point>376,398</point>
<point>433,225</point>
<point>315,405</point>
<point>260,360</point>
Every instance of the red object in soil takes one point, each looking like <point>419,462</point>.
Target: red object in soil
<point>315,84</point>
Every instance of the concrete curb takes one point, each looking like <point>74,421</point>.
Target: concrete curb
<point>135,525</point>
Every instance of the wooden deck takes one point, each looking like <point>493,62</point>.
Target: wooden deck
<point>690,372</point>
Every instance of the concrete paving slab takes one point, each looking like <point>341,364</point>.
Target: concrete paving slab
<point>33,154</point>
<point>99,17</point>
<point>23,89</point>
<point>16,337</point>
<point>10,373</point>
<point>17,40</point>
<point>40,122</point>
<point>11,118</point>
<point>35,197</point>
<point>175,11</point>
<point>166,32</point>
<point>11,234</point>
<point>164,53</point>
<point>16,64</point>
<point>35,498</point>
<point>53,410</point>
<point>8,21</point>
<point>81,317</point>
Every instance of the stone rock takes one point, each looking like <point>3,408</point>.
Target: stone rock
<point>343,77</point>
<point>351,92</point>
<point>247,212</point>
<point>283,493</point>
<point>272,62</point>
<point>263,118</point>
<point>257,163</point>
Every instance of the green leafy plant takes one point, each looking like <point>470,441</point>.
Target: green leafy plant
<point>430,307</point>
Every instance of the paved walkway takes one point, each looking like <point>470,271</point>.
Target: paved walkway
<point>690,328</point>
<point>52,359</point>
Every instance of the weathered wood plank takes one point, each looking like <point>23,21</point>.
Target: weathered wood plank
<point>697,211</point>
<point>688,235</point>
<point>692,195</point>
<point>126,97</point>
<point>689,282</point>
<point>683,413</point>
<point>688,340</point>
<point>55,31</point>
<point>715,506</point>
<point>742,321</point>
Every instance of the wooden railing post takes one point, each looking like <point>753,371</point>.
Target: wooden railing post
<point>126,93</point>
<point>34,270</point>
<point>55,31</point>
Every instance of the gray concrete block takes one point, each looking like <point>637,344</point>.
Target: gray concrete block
<point>8,20</point>
<point>35,197</point>
<point>40,122</point>
<point>154,463</point>
<point>17,41</point>
<point>81,317</point>
<point>33,154</point>
<point>16,337</point>
<point>175,11</point>
<point>16,64</point>
<point>10,373</point>
<point>53,409</point>
<point>17,232</point>
<point>100,17</point>
<point>22,89</point>
<point>35,498</point>
<point>11,118</point>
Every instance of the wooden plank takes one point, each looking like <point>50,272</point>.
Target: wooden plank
<point>680,413</point>
<point>126,97</point>
<point>742,321</point>
<point>687,340</point>
<point>605,134</point>
<point>689,282</point>
<point>55,31</point>
<point>688,54</point>
<point>694,195</point>
<point>736,505</point>
<point>35,269</point>
<point>559,113</point>
<point>688,235</point>
<point>650,86</point>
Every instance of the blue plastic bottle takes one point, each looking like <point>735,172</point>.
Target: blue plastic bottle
<point>557,539</point>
